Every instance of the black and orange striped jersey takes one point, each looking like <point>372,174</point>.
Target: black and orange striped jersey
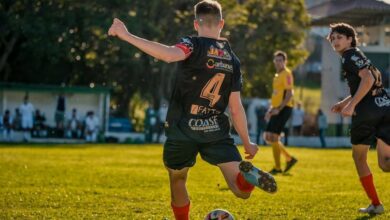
<point>201,91</point>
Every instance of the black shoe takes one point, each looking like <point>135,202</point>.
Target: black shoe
<point>290,164</point>
<point>275,171</point>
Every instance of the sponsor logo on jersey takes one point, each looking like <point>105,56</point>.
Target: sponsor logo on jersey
<point>382,101</point>
<point>205,125</point>
<point>203,110</point>
<point>219,53</point>
<point>211,64</point>
<point>221,45</point>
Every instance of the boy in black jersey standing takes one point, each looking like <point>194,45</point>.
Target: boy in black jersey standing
<point>208,81</point>
<point>369,107</point>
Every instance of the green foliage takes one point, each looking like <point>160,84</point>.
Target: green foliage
<point>57,41</point>
<point>122,182</point>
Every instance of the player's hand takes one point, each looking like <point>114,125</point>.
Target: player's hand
<point>275,111</point>
<point>118,29</point>
<point>348,110</point>
<point>337,107</point>
<point>250,150</point>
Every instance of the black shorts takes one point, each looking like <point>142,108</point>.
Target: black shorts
<point>277,122</point>
<point>372,120</point>
<point>180,154</point>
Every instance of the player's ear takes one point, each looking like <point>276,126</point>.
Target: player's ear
<point>221,23</point>
<point>196,25</point>
<point>349,39</point>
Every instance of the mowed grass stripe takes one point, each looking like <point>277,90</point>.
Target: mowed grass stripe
<point>130,182</point>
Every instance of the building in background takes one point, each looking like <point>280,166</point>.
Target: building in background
<point>44,98</point>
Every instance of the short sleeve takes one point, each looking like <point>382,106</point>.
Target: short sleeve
<point>186,44</point>
<point>237,76</point>
<point>288,81</point>
<point>354,61</point>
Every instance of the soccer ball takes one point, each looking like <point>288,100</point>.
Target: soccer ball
<point>219,214</point>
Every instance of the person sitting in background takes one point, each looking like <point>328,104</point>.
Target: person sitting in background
<point>91,127</point>
<point>7,122</point>
<point>17,120</point>
<point>74,126</point>
<point>39,128</point>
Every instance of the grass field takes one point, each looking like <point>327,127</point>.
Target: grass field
<point>129,182</point>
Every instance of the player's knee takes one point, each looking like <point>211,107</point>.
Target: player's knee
<point>384,165</point>
<point>242,195</point>
<point>357,157</point>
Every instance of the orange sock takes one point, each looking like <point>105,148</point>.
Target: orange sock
<point>368,185</point>
<point>243,185</point>
<point>181,213</point>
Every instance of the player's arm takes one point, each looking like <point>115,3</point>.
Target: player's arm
<point>336,108</point>
<point>367,80</point>
<point>237,113</point>
<point>154,49</point>
<point>288,96</point>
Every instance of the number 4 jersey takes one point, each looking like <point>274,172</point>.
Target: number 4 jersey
<point>201,91</point>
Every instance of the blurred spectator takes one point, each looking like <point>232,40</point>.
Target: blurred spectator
<point>60,115</point>
<point>322,126</point>
<point>261,123</point>
<point>17,124</point>
<point>150,124</point>
<point>27,111</point>
<point>297,119</point>
<point>161,116</point>
<point>74,126</point>
<point>7,122</point>
<point>91,127</point>
<point>39,128</point>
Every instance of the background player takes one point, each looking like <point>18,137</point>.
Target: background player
<point>369,106</point>
<point>280,111</point>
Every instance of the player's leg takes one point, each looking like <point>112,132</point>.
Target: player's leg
<point>235,180</point>
<point>226,156</point>
<point>359,154</point>
<point>273,139</point>
<point>180,201</point>
<point>178,157</point>
<point>383,150</point>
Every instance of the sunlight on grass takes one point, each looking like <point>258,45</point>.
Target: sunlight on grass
<point>130,182</point>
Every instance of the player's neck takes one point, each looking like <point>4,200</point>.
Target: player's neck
<point>215,34</point>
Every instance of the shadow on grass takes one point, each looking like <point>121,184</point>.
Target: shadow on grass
<point>367,217</point>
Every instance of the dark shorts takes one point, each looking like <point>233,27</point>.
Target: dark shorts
<point>180,154</point>
<point>277,122</point>
<point>372,120</point>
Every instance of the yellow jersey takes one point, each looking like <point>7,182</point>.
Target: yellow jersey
<point>282,81</point>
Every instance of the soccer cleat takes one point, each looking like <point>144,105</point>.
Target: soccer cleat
<point>290,164</point>
<point>373,210</point>
<point>257,177</point>
<point>275,171</point>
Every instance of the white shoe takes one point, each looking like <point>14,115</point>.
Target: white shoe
<point>372,209</point>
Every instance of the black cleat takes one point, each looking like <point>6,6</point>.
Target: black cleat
<point>290,164</point>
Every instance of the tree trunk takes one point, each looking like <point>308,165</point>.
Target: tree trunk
<point>9,46</point>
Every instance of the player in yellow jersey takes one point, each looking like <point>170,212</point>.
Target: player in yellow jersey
<point>280,111</point>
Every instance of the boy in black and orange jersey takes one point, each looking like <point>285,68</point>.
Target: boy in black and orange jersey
<point>208,81</point>
<point>369,107</point>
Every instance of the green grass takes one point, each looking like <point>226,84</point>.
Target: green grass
<point>130,182</point>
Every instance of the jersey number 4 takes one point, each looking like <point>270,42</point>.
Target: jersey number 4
<point>211,90</point>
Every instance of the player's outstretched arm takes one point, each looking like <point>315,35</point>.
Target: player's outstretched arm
<point>154,49</point>
<point>240,123</point>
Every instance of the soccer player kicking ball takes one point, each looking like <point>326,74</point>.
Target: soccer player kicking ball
<point>208,80</point>
<point>369,107</point>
